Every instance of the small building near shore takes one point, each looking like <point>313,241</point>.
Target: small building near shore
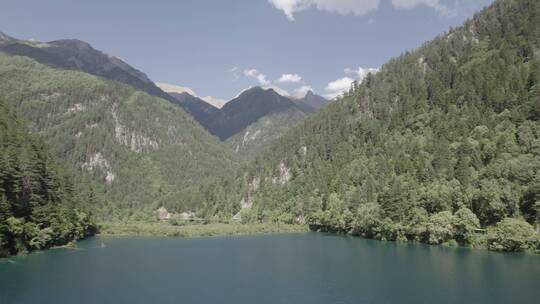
<point>163,214</point>
<point>188,215</point>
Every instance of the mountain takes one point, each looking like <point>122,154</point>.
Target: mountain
<point>202,111</point>
<point>442,143</point>
<point>216,102</point>
<point>78,55</point>
<point>248,122</point>
<point>264,131</point>
<point>247,108</point>
<point>134,147</point>
<point>40,205</point>
<point>313,100</point>
<point>171,88</point>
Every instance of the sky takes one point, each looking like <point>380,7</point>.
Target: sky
<point>220,47</point>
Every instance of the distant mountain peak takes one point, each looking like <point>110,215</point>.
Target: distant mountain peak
<point>75,54</point>
<point>253,89</point>
<point>73,43</point>
<point>313,100</point>
<point>172,88</point>
<point>4,39</point>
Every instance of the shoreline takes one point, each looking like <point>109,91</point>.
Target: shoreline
<point>207,230</point>
<point>165,229</point>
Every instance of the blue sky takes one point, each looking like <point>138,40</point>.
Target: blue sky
<point>219,47</point>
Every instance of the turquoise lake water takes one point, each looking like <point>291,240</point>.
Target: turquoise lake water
<point>292,268</point>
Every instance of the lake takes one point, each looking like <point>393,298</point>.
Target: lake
<point>291,268</point>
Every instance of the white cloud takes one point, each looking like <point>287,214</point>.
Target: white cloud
<point>361,7</point>
<point>435,4</point>
<point>216,102</point>
<point>302,91</point>
<point>171,88</point>
<point>261,78</point>
<point>291,78</point>
<point>279,90</point>
<point>360,73</point>
<point>342,85</point>
<point>234,72</point>
<point>338,87</point>
<point>344,7</point>
<point>284,79</point>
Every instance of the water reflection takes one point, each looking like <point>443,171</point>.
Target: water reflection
<point>305,268</point>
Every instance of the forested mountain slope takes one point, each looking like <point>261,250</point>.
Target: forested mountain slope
<point>40,206</point>
<point>443,141</point>
<point>136,147</point>
<point>78,55</point>
<point>259,134</point>
<point>313,100</point>
<point>246,109</point>
<point>252,120</point>
<point>202,111</point>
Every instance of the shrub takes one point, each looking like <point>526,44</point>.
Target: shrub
<point>440,227</point>
<point>512,234</point>
<point>465,224</point>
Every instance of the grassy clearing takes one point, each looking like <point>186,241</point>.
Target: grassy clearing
<point>194,230</point>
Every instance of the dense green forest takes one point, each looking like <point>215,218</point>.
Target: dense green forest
<point>264,131</point>
<point>441,146</point>
<point>40,206</point>
<point>134,148</point>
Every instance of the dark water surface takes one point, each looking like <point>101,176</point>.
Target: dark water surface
<point>298,268</point>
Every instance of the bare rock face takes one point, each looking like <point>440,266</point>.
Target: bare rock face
<point>97,162</point>
<point>137,142</point>
<point>284,175</point>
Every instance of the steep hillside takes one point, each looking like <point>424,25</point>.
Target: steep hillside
<point>40,206</point>
<point>172,89</point>
<point>246,109</point>
<point>442,142</point>
<point>313,100</point>
<point>202,111</point>
<point>250,121</point>
<point>136,147</point>
<point>262,132</point>
<point>78,55</point>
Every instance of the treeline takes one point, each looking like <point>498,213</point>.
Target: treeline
<point>132,148</point>
<point>442,145</point>
<point>40,206</point>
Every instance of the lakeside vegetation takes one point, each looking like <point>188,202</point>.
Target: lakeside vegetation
<point>40,206</point>
<point>132,148</point>
<point>441,146</point>
<point>146,228</point>
<point>440,142</point>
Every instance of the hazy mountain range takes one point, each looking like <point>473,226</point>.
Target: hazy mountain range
<point>220,118</point>
<point>242,117</point>
<point>441,144</point>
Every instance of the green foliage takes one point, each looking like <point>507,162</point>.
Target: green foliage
<point>136,151</point>
<point>441,227</point>
<point>38,205</point>
<point>513,235</point>
<point>192,230</point>
<point>440,143</point>
<point>367,220</point>
<point>466,223</point>
<point>262,132</point>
